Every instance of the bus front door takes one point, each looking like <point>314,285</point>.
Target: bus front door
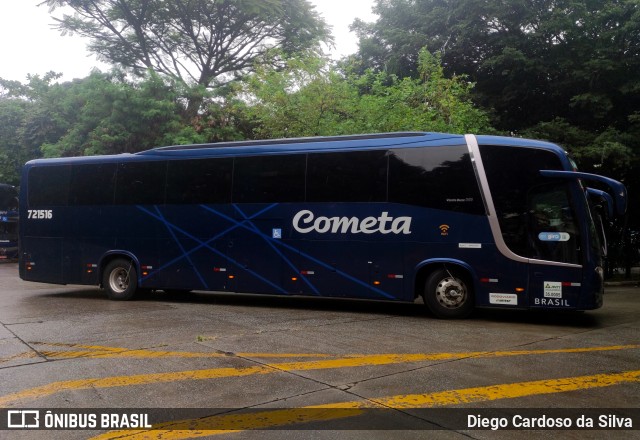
<point>556,270</point>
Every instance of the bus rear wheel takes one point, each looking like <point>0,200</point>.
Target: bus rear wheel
<point>448,294</point>
<point>120,279</point>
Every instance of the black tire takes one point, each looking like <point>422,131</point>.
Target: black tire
<point>120,279</point>
<point>449,294</point>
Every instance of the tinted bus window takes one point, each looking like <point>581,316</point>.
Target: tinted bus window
<point>435,177</point>
<point>8,198</point>
<point>199,181</point>
<point>92,184</point>
<point>513,175</point>
<point>347,177</point>
<point>49,186</point>
<point>141,183</point>
<point>269,179</point>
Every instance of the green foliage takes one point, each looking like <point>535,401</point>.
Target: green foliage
<point>532,61</point>
<point>103,113</point>
<point>12,153</point>
<point>194,42</point>
<point>312,98</point>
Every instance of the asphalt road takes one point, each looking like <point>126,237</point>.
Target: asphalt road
<point>249,366</point>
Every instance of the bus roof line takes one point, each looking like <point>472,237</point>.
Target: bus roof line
<point>285,141</point>
<point>301,144</point>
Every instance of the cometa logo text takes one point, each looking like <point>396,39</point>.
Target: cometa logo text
<point>305,221</point>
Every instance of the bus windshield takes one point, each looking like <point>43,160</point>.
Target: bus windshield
<point>553,233</point>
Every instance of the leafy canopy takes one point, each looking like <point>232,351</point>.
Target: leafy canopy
<point>195,42</point>
<point>313,98</point>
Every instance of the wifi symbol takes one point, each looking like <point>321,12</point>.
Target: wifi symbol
<point>444,229</point>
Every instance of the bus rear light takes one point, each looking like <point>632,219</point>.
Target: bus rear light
<point>567,284</point>
<point>488,280</point>
<point>145,270</point>
<point>307,272</point>
<point>219,269</point>
<point>394,276</point>
<point>91,267</point>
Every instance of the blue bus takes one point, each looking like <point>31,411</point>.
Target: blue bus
<point>8,222</point>
<point>463,221</point>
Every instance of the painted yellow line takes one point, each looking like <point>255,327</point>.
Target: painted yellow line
<point>227,423</point>
<point>386,359</point>
<point>508,391</point>
<point>24,355</point>
<point>217,373</point>
<point>99,351</point>
<point>124,381</point>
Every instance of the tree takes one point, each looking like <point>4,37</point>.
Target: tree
<point>201,43</point>
<point>12,154</point>
<point>312,98</point>
<point>103,113</point>
<point>532,61</point>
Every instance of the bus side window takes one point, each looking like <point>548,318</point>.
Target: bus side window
<point>48,186</point>
<point>347,177</point>
<point>435,177</point>
<point>269,179</point>
<point>92,184</point>
<point>141,183</point>
<point>197,181</point>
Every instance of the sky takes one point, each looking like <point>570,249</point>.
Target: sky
<point>30,46</point>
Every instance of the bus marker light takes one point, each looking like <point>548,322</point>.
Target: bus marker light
<point>376,283</point>
<point>488,280</point>
<point>294,278</point>
<point>231,277</point>
<point>145,270</point>
<point>519,289</point>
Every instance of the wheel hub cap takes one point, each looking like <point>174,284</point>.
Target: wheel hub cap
<point>451,292</point>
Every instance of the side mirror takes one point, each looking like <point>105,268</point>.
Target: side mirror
<point>603,197</point>
<point>618,191</point>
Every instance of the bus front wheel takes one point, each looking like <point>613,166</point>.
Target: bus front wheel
<point>448,294</point>
<point>120,279</point>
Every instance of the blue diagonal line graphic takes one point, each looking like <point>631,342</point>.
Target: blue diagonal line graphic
<point>307,256</point>
<point>236,225</point>
<point>187,256</point>
<point>272,246</point>
<point>215,251</point>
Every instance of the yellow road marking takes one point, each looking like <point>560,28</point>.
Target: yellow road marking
<point>123,381</point>
<point>25,355</point>
<point>227,423</point>
<point>99,351</point>
<point>215,373</point>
